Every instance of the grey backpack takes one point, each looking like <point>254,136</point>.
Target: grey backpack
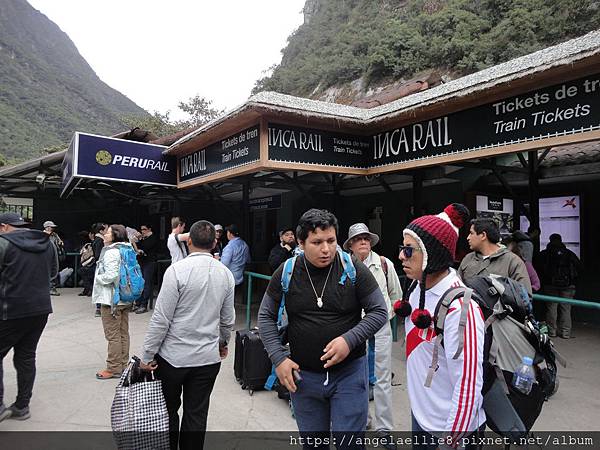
<point>511,332</point>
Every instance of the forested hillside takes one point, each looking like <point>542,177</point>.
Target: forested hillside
<point>379,41</point>
<point>47,89</point>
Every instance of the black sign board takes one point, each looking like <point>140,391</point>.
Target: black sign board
<point>495,204</point>
<point>324,148</point>
<point>259,204</point>
<point>568,108</point>
<point>234,151</point>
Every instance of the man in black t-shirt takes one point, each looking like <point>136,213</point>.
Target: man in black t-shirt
<point>326,333</point>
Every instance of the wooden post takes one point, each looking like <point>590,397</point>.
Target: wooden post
<point>246,212</point>
<point>417,192</point>
<point>336,193</point>
<point>534,193</point>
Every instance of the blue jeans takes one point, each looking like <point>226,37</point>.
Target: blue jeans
<point>340,406</point>
<point>425,441</point>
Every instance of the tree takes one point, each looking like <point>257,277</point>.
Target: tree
<point>200,111</point>
<point>157,123</point>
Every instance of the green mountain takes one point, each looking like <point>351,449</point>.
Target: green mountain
<point>373,43</point>
<point>47,89</point>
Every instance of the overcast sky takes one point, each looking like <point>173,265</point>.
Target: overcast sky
<point>159,52</point>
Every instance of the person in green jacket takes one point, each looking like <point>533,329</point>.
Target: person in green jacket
<point>489,257</point>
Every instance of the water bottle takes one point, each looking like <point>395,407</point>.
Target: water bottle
<point>524,376</point>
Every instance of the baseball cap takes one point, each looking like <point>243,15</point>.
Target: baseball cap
<point>49,223</point>
<point>218,227</point>
<point>11,218</point>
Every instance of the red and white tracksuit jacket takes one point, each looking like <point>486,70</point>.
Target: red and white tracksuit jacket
<point>453,403</point>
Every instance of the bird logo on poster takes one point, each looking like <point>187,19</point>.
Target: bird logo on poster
<point>570,203</point>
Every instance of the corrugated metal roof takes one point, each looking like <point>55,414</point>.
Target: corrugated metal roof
<point>562,54</point>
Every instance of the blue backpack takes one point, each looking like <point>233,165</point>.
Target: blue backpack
<point>131,281</point>
<point>286,277</point>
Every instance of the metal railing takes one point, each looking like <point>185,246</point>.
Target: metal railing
<point>251,275</point>
<point>570,301</point>
<point>75,256</point>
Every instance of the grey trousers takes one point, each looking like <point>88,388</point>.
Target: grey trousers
<point>558,315</point>
<point>383,419</point>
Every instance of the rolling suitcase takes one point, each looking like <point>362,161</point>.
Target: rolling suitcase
<point>252,365</point>
<point>238,360</point>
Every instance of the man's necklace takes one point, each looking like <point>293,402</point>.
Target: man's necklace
<point>319,298</point>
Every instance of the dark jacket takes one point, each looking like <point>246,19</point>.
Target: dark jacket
<point>217,249</point>
<point>28,261</point>
<point>278,255</point>
<point>97,245</point>
<point>556,263</point>
<point>150,247</point>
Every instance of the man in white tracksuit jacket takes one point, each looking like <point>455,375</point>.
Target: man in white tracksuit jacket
<point>447,401</point>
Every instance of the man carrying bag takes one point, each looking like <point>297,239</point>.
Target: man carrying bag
<point>188,334</point>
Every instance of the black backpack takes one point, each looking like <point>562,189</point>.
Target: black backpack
<point>511,332</point>
<point>560,268</point>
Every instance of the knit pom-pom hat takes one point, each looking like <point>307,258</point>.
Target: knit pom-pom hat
<point>436,236</point>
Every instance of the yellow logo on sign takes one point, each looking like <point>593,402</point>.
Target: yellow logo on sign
<point>103,157</point>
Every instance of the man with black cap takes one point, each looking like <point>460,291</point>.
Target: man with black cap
<point>28,261</point>
<point>283,250</point>
<point>445,397</point>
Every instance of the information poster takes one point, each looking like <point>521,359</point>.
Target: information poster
<point>499,209</point>
<point>559,215</point>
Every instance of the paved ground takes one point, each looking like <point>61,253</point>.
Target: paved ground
<point>68,397</point>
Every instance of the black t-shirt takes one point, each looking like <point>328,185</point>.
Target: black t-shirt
<point>311,328</point>
<point>150,247</point>
<point>279,255</point>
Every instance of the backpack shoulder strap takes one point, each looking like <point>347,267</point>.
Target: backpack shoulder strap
<point>286,274</point>
<point>384,266</point>
<point>442,311</point>
<point>348,265</point>
<point>286,277</point>
<point>440,316</point>
<point>182,246</point>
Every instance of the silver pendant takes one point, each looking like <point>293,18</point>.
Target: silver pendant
<point>319,302</point>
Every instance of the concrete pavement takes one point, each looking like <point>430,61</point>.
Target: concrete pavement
<point>67,396</point>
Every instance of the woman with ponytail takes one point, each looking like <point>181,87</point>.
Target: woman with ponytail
<point>451,407</point>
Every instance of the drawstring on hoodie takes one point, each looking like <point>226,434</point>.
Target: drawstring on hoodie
<point>326,379</point>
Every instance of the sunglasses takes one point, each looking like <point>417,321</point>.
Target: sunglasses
<point>408,250</point>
